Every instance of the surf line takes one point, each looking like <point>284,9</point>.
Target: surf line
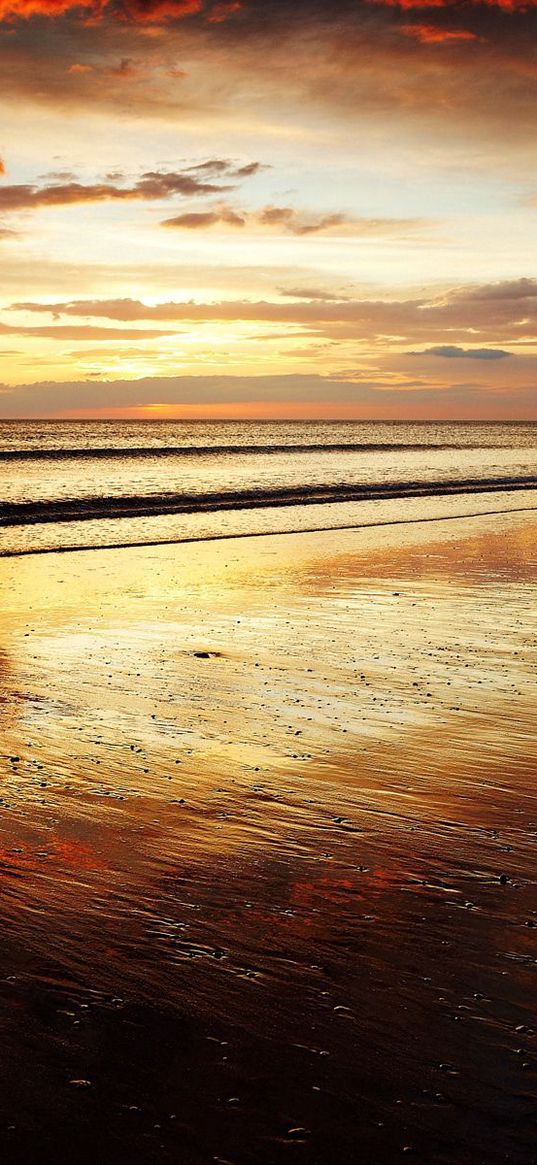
<point>259,533</point>
<point>85,509</point>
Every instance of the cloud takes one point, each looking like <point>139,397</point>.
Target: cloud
<point>452,351</point>
<point>293,222</point>
<point>201,220</point>
<point>78,67</point>
<point>358,395</point>
<point>508,289</point>
<point>84,332</point>
<point>427,64</point>
<point>157,11</point>
<point>491,315</point>
<point>28,8</point>
<point>216,167</point>
<point>126,68</point>
<point>296,224</point>
<point>250,169</point>
<point>432,34</point>
<point>510,6</point>
<point>152,185</point>
<point>224,11</point>
<point>154,12</point>
<point>314,293</point>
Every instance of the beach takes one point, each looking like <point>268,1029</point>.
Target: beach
<point>268,566</point>
<point>267,832</point>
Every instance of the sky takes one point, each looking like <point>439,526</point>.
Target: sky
<point>268,208</point>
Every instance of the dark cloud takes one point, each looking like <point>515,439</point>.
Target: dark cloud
<point>153,185</point>
<point>249,170</point>
<point>315,293</point>
<point>452,351</point>
<point>510,6</point>
<point>202,220</point>
<point>468,65</point>
<point>293,222</point>
<point>216,167</point>
<point>509,289</point>
<point>370,397</point>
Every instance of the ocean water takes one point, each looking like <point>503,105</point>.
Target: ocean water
<point>81,484</point>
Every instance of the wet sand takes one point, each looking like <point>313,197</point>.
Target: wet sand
<point>268,829</point>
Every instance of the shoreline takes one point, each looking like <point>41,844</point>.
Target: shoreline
<point>176,529</point>
<point>262,533</point>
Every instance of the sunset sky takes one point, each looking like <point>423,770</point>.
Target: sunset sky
<point>294,208</point>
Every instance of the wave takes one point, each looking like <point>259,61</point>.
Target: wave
<point>227,536</point>
<point>84,509</point>
<point>83,453</point>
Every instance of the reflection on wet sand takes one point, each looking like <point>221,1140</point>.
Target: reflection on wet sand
<point>267,836</point>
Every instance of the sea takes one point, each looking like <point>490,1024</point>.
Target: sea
<point>77,485</point>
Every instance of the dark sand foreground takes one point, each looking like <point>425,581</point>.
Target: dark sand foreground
<point>268,840</point>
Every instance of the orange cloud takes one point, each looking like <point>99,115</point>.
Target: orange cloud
<point>431,34</point>
<point>159,12</point>
<point>27,8</point>
<point>137,11</point>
